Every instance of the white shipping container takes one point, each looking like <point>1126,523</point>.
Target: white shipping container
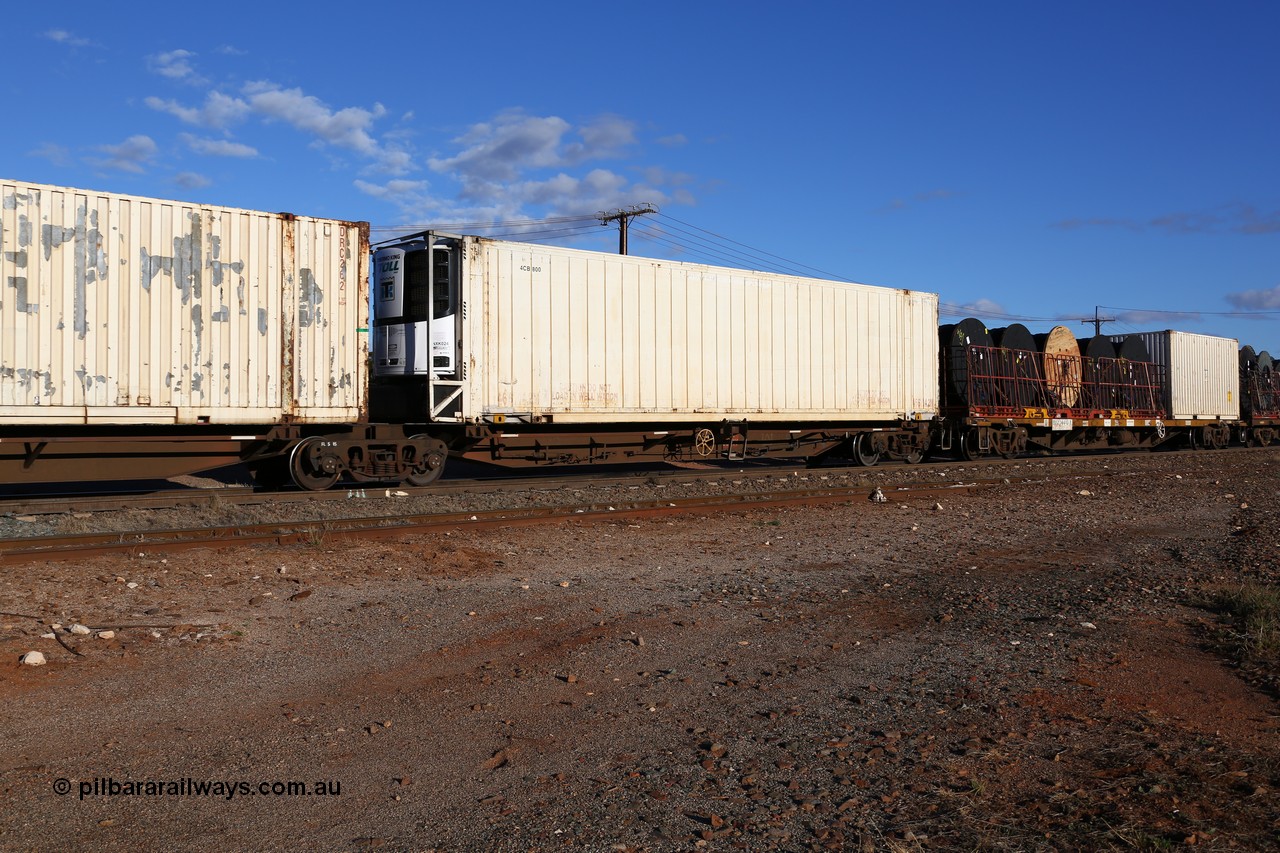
<point>1201,374</point>
<point>118,309</point>
<point>572,336</point>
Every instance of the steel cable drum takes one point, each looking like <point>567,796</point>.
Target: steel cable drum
<point>1265,373</point>
<point>1248,359</point>
<point>1017,349</point>
<point>1249,386</point>
<point>1099,373</point>
<point>1134,348</point>
<point>957,340</point>
<point>1137,379</point>
<point>1061,355</point>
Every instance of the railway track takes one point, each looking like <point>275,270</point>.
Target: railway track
<point>56,504</point>
<point>80,546</point>
<point>248,496</point>
<point>771,487</point>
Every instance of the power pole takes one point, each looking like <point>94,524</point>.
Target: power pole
<point>1097,321</point>
<point>623,217</point>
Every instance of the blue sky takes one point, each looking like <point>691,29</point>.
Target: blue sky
<point>1027,161</point>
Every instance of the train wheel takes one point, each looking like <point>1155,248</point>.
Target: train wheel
<point>304,472</point>
<point>970,449</point>
<point>863,453</point>
<point>432,464</point>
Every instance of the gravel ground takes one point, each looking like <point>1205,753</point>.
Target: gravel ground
<point>1032,666</point>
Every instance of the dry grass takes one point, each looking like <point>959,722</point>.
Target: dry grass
<point>1254,610</point>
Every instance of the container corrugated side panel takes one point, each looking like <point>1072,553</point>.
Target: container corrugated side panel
<point>1201,374</point>
<point>582,336</point>
<point>1206,376</point>
<point>325,276</point>
<point>122,309</point>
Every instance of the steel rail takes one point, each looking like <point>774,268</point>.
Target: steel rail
<point>79,546</point>
<point>247,496</point>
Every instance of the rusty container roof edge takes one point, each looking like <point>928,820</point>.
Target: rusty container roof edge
<point>353,223</point>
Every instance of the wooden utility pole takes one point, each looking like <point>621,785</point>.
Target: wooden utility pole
<point>623,217</point>
<point>1097,321</point>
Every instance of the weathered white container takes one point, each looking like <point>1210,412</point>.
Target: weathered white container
<point>1201,374</point>
<point>573,336</point>
<point>118,309</point>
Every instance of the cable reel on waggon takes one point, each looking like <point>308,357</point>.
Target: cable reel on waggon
<point>1008,392</point>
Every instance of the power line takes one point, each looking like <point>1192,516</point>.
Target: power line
<point>1097,320</point>
<point>824,273</point>
<point>708,250</point>
<point>490,224</point>
<point>721,250</point>
<point>1205,313</point>
<point>481,226</point>
<point>952,310</point>
<point>547,233</point>
<point>623,217</point>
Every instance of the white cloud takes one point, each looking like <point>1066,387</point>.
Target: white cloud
<point>606,136</point>
<point>218,112</point>
<point>176,65</point>
<point>675,140</point>
<point>132,155</point>
<point>346,128</point>
<point>499,150</point>
<point>69,39</point>
<point>983,307</point>
<point>1162,319</point>
<point>521,166</point>
<point>191,180</point>
<point>918,199</point>
<point>391,188</point>
<point>349,128</point>
<point>1236,218</point>
<point>58,155</point>
<point>660,176</point>
<point>412,198</point>
<point>393,161</point>
<point>218,147</point>
<point>1256,300</point>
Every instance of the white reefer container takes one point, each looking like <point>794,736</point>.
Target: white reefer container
<point>1201,374</point>
<point>116,309</point>
<point>573,336</point>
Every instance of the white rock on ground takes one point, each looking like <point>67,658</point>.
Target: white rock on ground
<point>34,659</point>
